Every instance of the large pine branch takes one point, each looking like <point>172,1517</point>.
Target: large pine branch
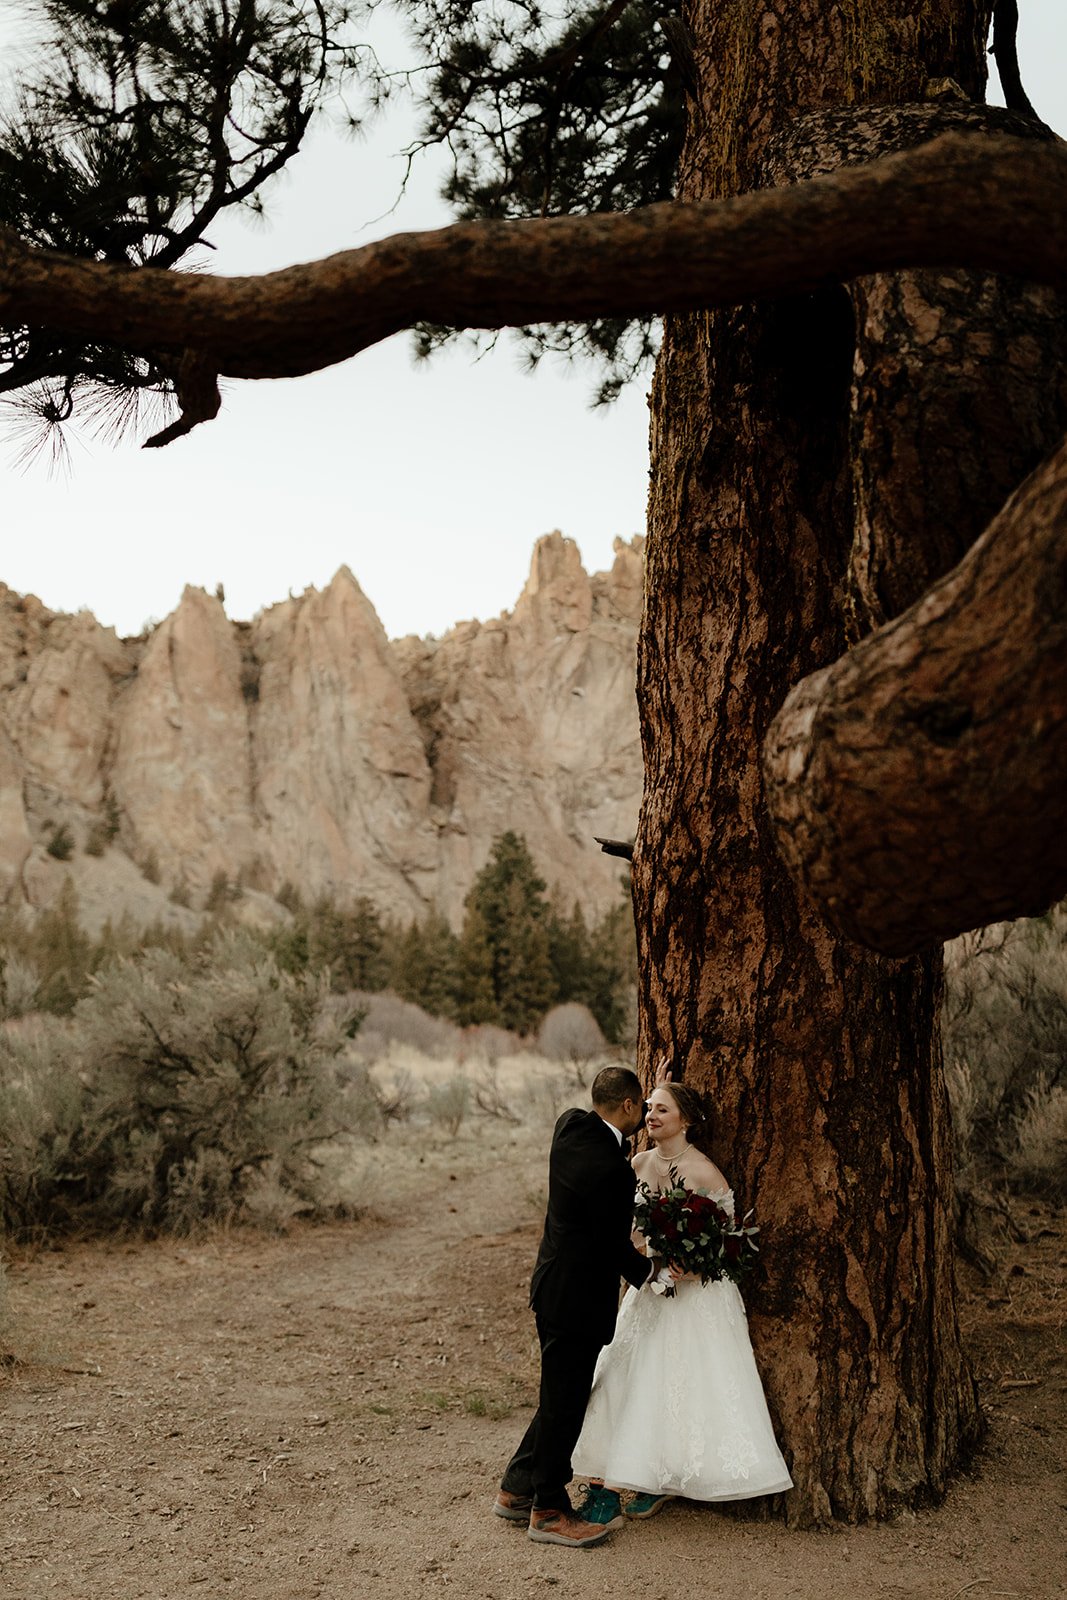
<point>955,202</point>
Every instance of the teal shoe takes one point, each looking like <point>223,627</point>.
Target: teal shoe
<point>601,1506</point>
<point>646,1505</point>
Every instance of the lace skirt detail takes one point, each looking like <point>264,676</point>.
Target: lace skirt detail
<point>677,1404</point>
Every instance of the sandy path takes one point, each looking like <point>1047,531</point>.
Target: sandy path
<point>327,1413</point>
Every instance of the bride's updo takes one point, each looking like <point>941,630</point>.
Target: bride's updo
<point>695,1111</point>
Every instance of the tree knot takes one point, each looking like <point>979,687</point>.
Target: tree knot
<point>942,721</point>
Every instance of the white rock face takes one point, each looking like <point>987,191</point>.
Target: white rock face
<point>340,774</point>
<point>304,746</point>
<point>181,774</point>
<point>530,723</point>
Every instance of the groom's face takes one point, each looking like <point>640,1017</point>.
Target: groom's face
<point>635,1115</point>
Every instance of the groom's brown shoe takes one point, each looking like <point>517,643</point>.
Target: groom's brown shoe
<point>563,1527</point>
<point>514,1507</point>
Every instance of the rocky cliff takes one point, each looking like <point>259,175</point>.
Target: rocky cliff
<point>306,747</point>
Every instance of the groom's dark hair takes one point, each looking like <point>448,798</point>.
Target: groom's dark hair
<point>613,1085</point>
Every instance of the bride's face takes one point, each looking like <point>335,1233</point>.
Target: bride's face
<point>663,1120</point>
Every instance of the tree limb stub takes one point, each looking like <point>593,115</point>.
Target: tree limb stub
<point>918,786</point>
<point>957,201</point>
<point>1005,52</point>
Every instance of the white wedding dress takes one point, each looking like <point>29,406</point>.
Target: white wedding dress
<point>677,1404</point>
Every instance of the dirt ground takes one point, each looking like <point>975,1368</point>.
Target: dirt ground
<point>328,1412</point>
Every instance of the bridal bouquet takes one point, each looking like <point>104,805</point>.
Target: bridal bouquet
<point>691,1229</point>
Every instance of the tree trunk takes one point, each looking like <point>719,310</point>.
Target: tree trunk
<point>823,1059</point>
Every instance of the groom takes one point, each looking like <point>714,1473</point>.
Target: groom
<point>585,1249</point>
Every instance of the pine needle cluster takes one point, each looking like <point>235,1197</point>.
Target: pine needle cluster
<point>134,125</point>
<point>553,111</point>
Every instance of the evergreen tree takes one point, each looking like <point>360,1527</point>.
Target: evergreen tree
<point>476,988</point>
<point>597,967</point>
<point>581,109</point>
<point>144,120</point>
<point>523,968</point>
<point>350,941</point>
<point>504,947</point>
<point>426,964</point>
<point>325,933</point>
<point>290,945</point>
<point>611,976</point>
<point>569,952</point>
<point>363,955</point>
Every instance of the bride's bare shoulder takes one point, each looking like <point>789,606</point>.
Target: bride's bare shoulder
<point>706,1175</point>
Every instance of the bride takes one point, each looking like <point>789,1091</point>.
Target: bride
<point>677,1406</point>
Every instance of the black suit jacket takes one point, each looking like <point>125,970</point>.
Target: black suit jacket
<point>585,1247</point>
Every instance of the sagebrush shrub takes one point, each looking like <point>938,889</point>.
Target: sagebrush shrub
<point>447,1103</point>
<point>388,1020</point>
<point>1004,1029</point>
<point>19,985</point>
<point>486,1042</point>
<point>177,1082</point>
<point>570,1033</point>
<point>1038,1159</point>
<point>43,1106</point>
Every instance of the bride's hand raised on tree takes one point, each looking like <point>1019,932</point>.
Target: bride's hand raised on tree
<point>663,1073</point>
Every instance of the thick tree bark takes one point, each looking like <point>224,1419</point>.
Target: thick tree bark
<point>823,1058</point>
<point>956,710</point>
<point>932,348</point>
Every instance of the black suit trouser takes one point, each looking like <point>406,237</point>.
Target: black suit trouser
<point>541,1466</point>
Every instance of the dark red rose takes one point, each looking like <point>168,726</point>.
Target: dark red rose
<point>732,1246</point>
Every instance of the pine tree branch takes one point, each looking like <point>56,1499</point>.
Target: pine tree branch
<point>1005,28</point>
<point>995,204</point>
<point>197,390</point>
<point>918,786</point>
<point>616,847</point>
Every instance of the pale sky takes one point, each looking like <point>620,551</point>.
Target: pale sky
<point>431,481</point>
